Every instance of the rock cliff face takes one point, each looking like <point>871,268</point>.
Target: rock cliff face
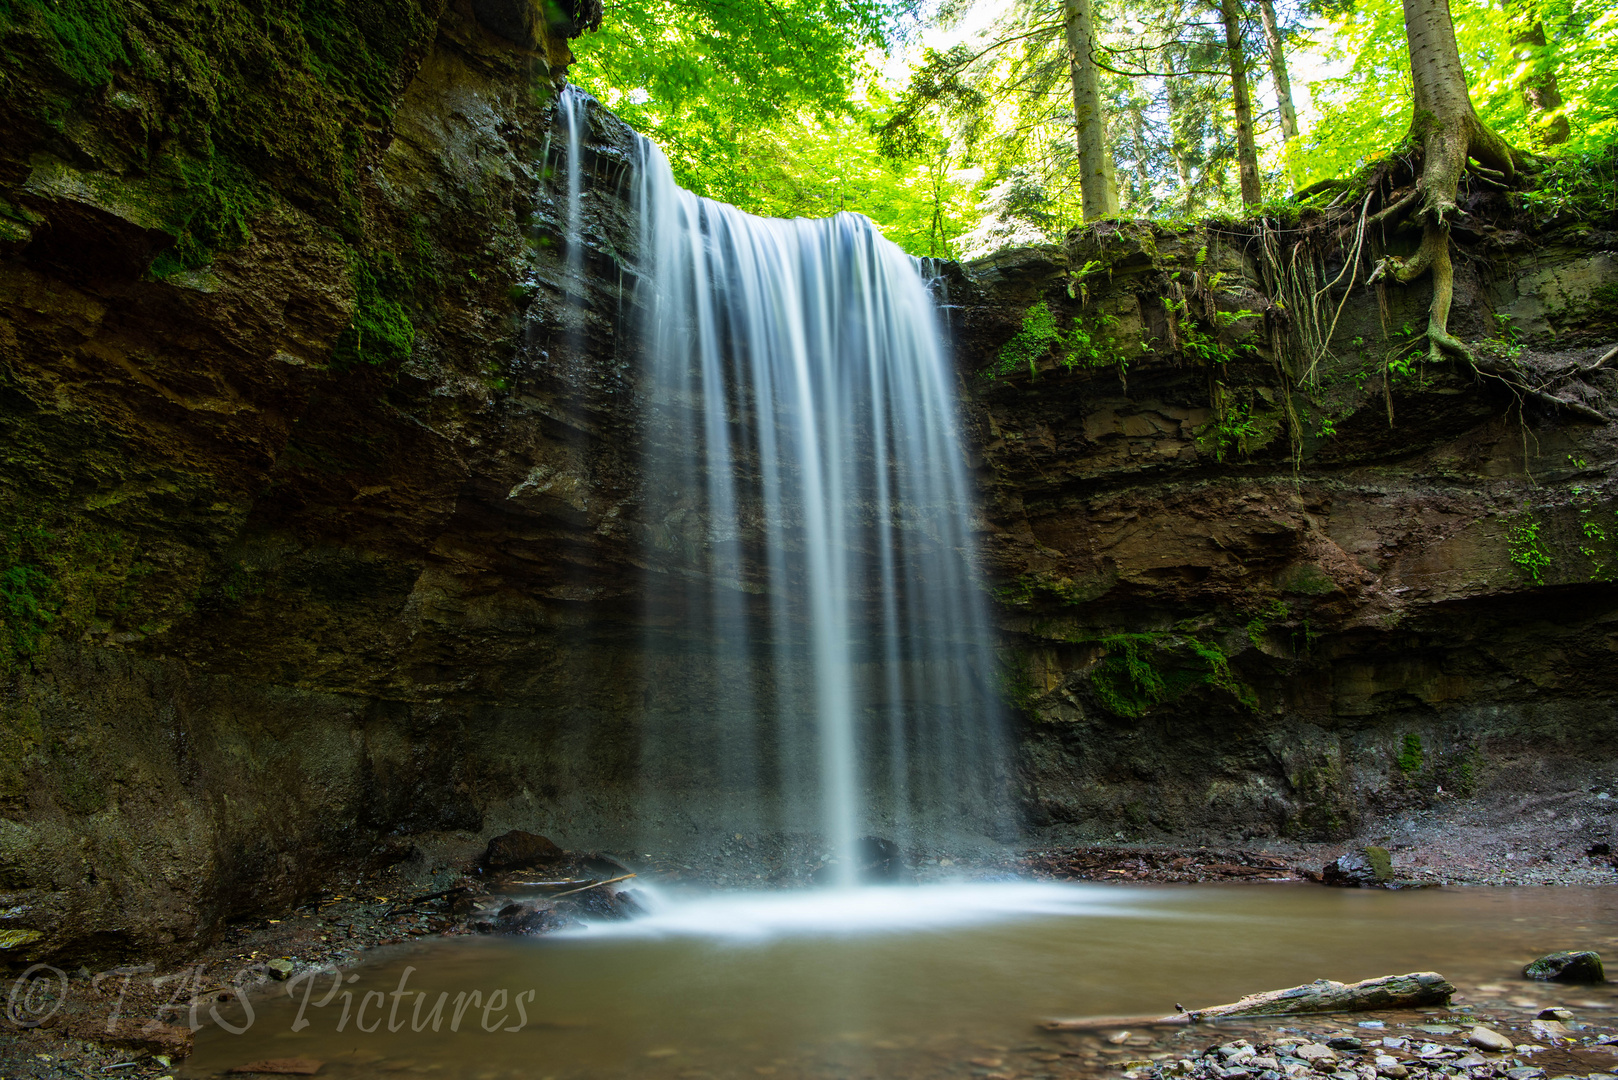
<point>305,526</point>
<point>1251,592</point>
<point>322,533</point>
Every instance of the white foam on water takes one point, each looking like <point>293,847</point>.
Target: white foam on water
<point>761,916</point>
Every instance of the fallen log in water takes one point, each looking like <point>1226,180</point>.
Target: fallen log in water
<point>1420,988</point>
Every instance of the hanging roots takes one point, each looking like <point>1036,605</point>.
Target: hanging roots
<point>1305,318</point>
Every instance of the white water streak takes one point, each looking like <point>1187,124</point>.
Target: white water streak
<point>810,504</point>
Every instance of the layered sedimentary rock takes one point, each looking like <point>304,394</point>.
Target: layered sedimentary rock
<point>323,532</point>
<point>305,527</point>
<point>1253,588</point>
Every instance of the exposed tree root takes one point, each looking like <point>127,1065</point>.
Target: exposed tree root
<point>1304,316</point>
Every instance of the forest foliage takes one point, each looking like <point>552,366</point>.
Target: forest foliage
<point>950,122</point>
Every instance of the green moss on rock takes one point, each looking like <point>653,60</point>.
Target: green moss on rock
<point>1571,967</point>
<point>381,332</point>
<point>1141,671</point>
<point>85,39</point>
<point>64,580</point>
<point>249,101</point>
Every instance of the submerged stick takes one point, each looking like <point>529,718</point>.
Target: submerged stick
<point>596,885</point>
<point>1411,991</point>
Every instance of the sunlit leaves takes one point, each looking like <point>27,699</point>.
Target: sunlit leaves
<point>1363,113</point>
<point>708,78</point>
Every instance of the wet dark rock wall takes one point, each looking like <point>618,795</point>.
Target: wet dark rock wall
<point>305,544</point>
<point>322,535</point>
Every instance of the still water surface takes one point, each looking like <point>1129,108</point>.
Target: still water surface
<point>898,982</point>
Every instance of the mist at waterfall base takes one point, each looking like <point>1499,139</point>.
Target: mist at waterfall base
<point>811,557</point>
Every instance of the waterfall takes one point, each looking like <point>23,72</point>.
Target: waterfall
<point>820,652</point>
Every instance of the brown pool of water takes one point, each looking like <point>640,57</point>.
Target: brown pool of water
<point>918,983</point>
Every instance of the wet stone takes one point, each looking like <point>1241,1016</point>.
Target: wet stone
<point>1366,867</point>
<point>520,849</point>
<point>1488,1039</point>
<point>1580,966</point>
<point>1551,1031</point>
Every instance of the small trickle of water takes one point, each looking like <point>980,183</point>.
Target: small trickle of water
<point>571,111</point>
<point>820,652</point>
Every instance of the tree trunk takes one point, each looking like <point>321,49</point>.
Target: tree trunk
<point>1181,144</point>
<point>1278,70</point>
<point>1445,125</point>
<point>1143,179</point>
<point>1540,94</point>
<point>1097,188</point>
<point>1246,150</point>
<point>1447,129</point>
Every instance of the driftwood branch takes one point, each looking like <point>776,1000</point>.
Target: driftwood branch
<point>410,905</point>
<point>1322,996</point>
<point>1411,991</point>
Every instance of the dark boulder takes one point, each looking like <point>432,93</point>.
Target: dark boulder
<point>1366,867</point>
<point>519,917</point>
<point>875,860</point>
<point>464,895</point>
<point>514,849</point>
<point>604,903</point>
<point>1572,967</point>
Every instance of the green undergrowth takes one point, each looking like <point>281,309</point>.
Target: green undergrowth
<point>381,331</point>
<point>1410,754</point>
<point>1139,671</point>
<point>1082,343</point>
<point>1578,186</point>
<point>390,292</point>
<point>1584,548</point>
<point>218,203</point>
<point>1031,344</point>
<point>1259,625</point>
<point>1526,547</point>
